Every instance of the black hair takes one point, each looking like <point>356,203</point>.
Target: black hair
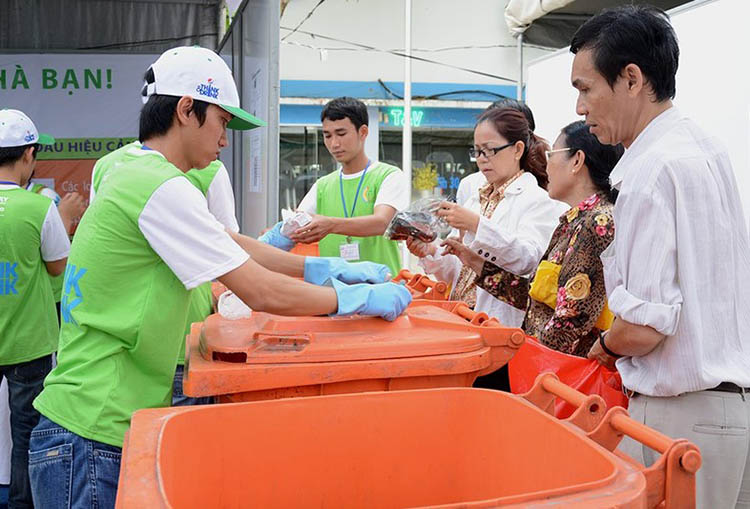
<point>513,126</point>
<point>507,102</point>
<point>9,155</point>
<point>632,34</point>
<point>346,107</point>
<point>157,114</point>
<point>600,159</point>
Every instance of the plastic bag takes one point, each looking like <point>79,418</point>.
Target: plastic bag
<point>418,221</point>
<point>231,307</point>
<point>584,375</point>
<point>292,221</point>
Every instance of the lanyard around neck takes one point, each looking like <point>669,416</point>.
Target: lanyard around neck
<point>356,196</point>
<point>8,182</point>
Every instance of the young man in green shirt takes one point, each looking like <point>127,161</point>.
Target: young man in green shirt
<point>33,246</point>
<point>213,182</point>
<point>146,240</point>
<point>352,207</point>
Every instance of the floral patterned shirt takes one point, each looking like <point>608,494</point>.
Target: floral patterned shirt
<point>583,233</point>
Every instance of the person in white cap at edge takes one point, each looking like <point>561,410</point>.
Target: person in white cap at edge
<point>33,245</point>
<point>145,241</point>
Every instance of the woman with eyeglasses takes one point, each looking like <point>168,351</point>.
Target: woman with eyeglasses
<point>508,223</point>
<point>568,305</point>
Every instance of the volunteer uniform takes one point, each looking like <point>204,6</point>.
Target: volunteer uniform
<point>144,243</point>
<point>356,195</point>
<point>31,233</point>
<point>213,181</point>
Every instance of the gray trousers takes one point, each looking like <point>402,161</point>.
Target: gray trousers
<point>719,424</point>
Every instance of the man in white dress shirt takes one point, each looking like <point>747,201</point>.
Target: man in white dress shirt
<point>678,271</point>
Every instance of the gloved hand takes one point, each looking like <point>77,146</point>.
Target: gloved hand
<point>275,238</point>
<point>319,269</point>
<point>387,300</point>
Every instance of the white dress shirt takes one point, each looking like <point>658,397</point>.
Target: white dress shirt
<point>680,260</point>
<point>514,238</point>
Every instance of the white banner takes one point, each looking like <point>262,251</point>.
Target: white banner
<point>76,95</point>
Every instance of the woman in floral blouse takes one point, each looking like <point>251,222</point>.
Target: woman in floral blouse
<point>567,308</point>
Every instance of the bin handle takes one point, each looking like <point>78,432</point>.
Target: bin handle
<point>589,409</point>
<point>671,479</point>
<point>435,290</point>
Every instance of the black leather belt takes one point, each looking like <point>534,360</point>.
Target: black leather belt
<point>722,387</point>
<point>730,387</point>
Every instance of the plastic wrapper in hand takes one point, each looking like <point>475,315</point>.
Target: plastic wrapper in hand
<point>292,221</point>
<point>231,307</point>
<point>419,221</point>
<point>585,375</point>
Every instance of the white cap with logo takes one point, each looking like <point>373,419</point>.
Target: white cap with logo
<point>17,130</point>
<point>203,75</point>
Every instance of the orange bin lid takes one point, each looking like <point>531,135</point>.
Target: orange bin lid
<point>424,329</point>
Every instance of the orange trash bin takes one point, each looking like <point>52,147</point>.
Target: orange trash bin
<point>457,447</point>
<point>432,344</point>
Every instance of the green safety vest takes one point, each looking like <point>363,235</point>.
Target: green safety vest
<point>28,321</point>
<point>123,309</point>
<point>375,249</point>
<point>201,298</point>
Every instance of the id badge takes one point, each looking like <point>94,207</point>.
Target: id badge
<point>349,251</point>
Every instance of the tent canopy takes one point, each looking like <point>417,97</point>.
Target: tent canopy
<point>552,23</point>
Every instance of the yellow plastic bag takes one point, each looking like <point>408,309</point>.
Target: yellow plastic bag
<point>544,289</point>
<point>544,286</point>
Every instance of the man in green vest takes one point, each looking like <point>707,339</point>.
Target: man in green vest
<point>213,181</point>
<point>145,241</point>
<point>352,207</point>
<point>33,246</point>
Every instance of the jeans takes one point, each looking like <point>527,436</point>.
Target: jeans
<point>178,398</point>
<point>25,382</point>
<point>69,471</point>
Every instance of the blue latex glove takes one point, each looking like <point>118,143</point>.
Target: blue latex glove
<point>275,238</point>
<point>319,269</point>
<point>387,300</point>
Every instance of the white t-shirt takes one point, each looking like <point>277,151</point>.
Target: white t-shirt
<point>394,191</point>
<point>220,199</point>
<point>55,244</point>
<point>179,227</point>
<point>55,241</point>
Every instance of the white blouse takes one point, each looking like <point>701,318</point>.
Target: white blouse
<point>514,238</point>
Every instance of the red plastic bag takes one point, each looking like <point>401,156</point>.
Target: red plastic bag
<point>584,375</point>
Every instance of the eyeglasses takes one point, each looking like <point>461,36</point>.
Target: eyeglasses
<point>549,153</point>
<point>488,152</point>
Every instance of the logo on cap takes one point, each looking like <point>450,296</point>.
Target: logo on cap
<point>29,136</point>
<point>208,89</point>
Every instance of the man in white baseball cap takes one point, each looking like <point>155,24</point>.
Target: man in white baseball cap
<point>33,244</point>
<point>144,243</point>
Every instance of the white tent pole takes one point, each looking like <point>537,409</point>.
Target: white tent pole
<point>406,141</point>
<point>406,136</point>
<point>519,85</point>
